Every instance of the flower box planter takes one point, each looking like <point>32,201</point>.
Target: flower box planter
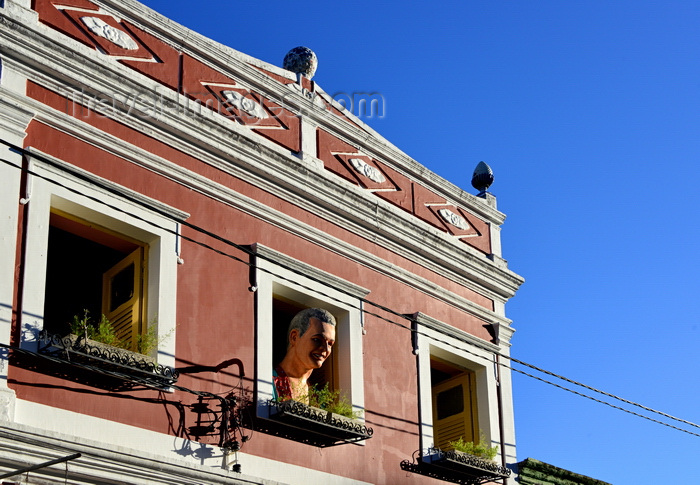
<point>111,362</point>
<point>456,467</point>
<point>312,425</point>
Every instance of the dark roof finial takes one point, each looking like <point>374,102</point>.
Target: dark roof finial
<point>482,178</point>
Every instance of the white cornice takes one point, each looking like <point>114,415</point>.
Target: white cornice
<point>224,144</point>
<point>14,118</point>
<point>249,206</point>
<point>102,463</point>
<point>229,197</point>
<point>214,140</point>
<point>236,64</point>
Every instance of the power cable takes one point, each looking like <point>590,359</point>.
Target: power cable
<point>612,405</point>
<point>250,252</point>
<point>626,401</point>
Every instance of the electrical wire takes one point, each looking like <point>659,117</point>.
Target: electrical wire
<point>251,253</point>
<point>612,405</point>
<point>626,401</point>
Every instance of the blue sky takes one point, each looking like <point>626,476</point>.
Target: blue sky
<point>589,115</point>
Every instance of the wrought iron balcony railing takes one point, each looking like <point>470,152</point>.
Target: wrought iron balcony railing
<point>121,364</point>
<point>455,466</point>
<point>307,424</point>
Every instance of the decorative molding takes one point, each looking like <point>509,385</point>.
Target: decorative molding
<point>7,404</point>
<point>260,158</point>
<point>505,335</point>
<point>312,272</point>
<point>314,96</point>
<point>454,219</point>
<point>107,460</point>
<point>143,158</point>
<point>102,29</point>
<point>291,171</point>
<point>365,139</point>
<point>449,330</point>
<point>14,118</point>
<point>233,63</point>
<point>247,105</point>
<point>365,169</point>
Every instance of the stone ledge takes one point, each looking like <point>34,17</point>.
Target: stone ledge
<point>535,472</point>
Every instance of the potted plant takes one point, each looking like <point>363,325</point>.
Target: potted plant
<point>467,462</point>
<point>471,459</point>
<point>480,449</point>
<point>323,412</point>
<point>103,334</point>
<point>98,346</point>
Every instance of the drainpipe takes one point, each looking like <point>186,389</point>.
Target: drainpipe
<point>501,429</point>
<point>499,395</point>
<point>23,215</point>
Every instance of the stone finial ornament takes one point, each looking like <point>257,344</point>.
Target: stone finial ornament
<point>482,178</point>
<point>301,60</point>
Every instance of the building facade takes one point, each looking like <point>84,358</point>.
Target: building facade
<point>192,199</point>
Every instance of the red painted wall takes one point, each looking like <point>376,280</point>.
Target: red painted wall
<point>215,310</point>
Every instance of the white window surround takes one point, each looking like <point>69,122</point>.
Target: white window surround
<point>438,339</point>
<point>80,198</point>
<point>310,287</point>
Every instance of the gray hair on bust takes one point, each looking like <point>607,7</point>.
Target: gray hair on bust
<point>301,319</point>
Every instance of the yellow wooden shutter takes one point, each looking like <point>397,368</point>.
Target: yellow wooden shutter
<point>122,296</point>
<point>454,410</point>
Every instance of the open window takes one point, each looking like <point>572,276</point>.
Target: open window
<point>285,286</point>
<point>97,246</point>
<point>93,271</point>
<point>459,399</point>
<point>286,303</point>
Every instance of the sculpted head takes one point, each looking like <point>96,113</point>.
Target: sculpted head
<point>301,320</point>
<point>311,336</point>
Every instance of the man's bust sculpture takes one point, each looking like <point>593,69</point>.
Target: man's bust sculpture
<point>310,338</point>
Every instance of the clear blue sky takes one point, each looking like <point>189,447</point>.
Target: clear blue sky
<point>589,115</point>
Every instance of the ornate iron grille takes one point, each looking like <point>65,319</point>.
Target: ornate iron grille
<point>300,422</point>
<point>119,362</point>
<point>455,466</point>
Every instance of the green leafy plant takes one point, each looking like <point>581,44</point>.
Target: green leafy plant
<point>105,333</point>
<point>148,340</point>
<point>328,400</point>
<point>480,448</point>
<point>332,401</point>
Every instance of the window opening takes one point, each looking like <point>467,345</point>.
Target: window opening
<point>283,310</point>
<point>454,404</point>
<point>93,269</point>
